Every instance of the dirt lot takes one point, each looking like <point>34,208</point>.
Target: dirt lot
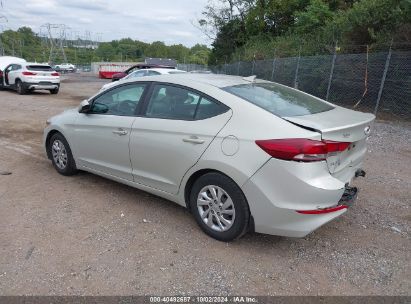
<point>85,235</point>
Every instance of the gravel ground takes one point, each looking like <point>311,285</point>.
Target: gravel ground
<point>85,235</point>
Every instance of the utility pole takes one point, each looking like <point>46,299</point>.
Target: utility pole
<point>332,71</point>
<point>56,37</point>
<point>384,75</point>
<point>297,69</point>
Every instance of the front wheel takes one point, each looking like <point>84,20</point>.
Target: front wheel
<point>20,88</point>
<point>61,155</point>
<point>219,207</point>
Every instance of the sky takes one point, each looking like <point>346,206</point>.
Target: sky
<point>151,20</point>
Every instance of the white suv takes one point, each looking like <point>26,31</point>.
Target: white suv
<point>26,77</point>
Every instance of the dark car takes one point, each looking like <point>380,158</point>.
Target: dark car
<point>138,66</point>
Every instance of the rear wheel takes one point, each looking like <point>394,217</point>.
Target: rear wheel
<point>54,91</point>
<point>61,155</point>
<point>20,88</point>
<point>219,207</point>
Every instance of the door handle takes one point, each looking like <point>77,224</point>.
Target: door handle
<point>194,140</point>
<point>120,132</point>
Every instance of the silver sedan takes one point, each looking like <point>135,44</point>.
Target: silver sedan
<point>240,153</point>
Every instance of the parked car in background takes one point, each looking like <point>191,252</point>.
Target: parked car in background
<point>65,67</point>
<point>240,153</point>
<point>26,77</point>
<point>142,73</point>
<point>139,66</point>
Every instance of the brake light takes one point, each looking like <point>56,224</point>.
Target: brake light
<point>301,149</point>
<point>28,73</point>
<point>55,74</point>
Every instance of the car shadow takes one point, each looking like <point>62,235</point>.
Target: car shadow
<point>250,238</point>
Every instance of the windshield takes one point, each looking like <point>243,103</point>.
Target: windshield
<point>279,100</point>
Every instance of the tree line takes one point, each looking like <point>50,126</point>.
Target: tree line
<point>248,30</point>
<point>28,45</point>
<point>258,29</point>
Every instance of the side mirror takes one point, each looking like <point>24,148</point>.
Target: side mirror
<point>84,107</point>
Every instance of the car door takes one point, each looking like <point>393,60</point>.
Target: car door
<point>7,72</point>
<point>101,137</point>
<point>14,73</point>
<point>177,127</point>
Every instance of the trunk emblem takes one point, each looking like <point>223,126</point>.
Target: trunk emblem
<point>346,135</point>
<point>367,130</point>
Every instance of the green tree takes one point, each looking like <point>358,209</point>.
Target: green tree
<point>105,51</point>
<point>316,15</point>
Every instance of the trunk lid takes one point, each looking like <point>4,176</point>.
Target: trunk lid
<point>343,125</point>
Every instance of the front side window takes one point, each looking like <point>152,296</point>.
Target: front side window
<point>279,100</point>
<point>122,101</point>
<point>172,102</point>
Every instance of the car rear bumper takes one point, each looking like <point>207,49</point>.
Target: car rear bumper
<point>293,199</point>
<point>42,86</point>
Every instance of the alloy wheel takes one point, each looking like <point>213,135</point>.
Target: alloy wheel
<point>59,153</point>
<point>216,208</point>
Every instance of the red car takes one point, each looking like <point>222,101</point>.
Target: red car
<point>138,66</point>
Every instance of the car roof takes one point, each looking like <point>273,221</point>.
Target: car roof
<point>35,63</point>
<point>149,65</point>
<point>215,80</point>
<point>7,60</point>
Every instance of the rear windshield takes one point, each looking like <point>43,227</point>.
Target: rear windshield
<point>39,68</point>
<point>279,100</point>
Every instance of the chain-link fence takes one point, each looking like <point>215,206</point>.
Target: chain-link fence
<point>191,67</point>
<point>377,81</point>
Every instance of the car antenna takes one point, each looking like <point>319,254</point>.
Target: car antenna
<point>250,78</point>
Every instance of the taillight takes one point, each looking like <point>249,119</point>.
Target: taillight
<point>28,73</point>
<point>55,74</point>
<point>301,149</point>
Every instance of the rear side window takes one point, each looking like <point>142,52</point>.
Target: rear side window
<point>207,108</point>
<point>44,68</point>
<point>279,100</point>
<point>178,103</point>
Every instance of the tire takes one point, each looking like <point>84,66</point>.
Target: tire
<point>54,91</point>
<point>20,87</point>
<point>61,155</point>
<point>215,219</point>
